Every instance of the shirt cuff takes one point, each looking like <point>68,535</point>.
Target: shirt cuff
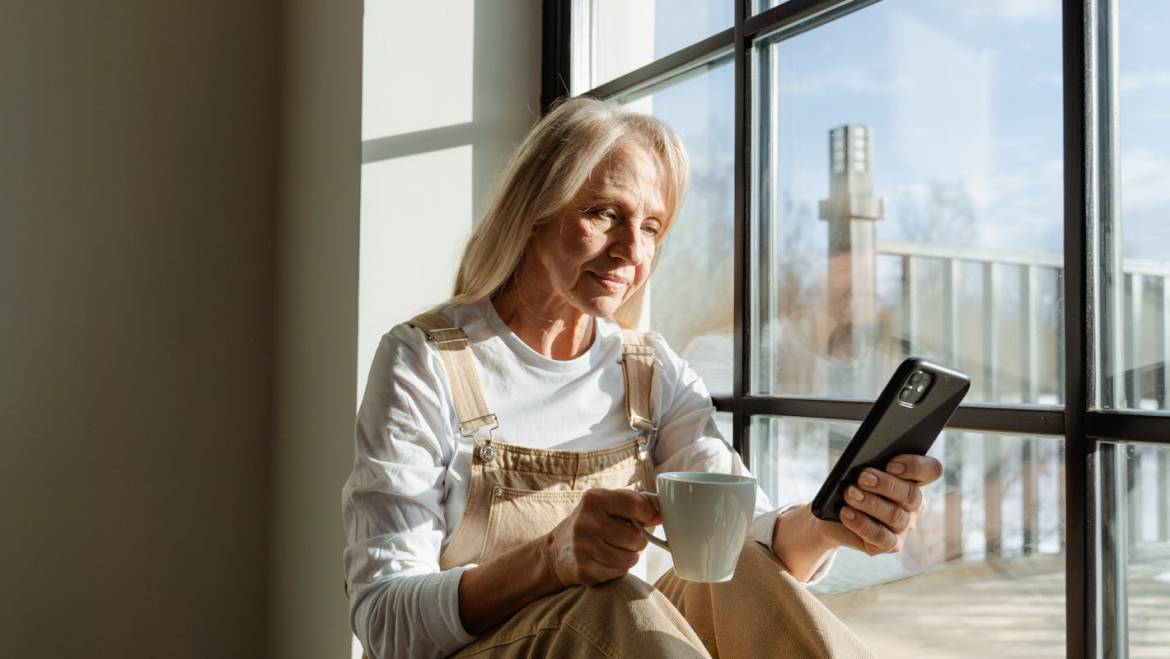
<point>761,530</point>
<point>450,607</point>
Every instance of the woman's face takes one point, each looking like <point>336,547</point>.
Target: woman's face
<point>599,250</point>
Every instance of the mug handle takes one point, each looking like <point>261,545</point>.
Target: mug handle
<point>650,536</point>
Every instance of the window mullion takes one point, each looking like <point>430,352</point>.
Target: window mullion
<point>742,270</point>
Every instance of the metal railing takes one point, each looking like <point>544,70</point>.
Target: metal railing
<point>997,315</point>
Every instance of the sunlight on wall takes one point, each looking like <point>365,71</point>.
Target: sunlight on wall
<point>415,212</point>
<point>416,186</point>
<point>447,93</point>
<point>418,66</point>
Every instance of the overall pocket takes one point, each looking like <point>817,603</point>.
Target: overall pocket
<point>516,516</point>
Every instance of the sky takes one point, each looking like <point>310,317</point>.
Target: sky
<point>960,94</point>
<point>962,98</point>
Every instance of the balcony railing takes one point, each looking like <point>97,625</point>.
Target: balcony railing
<point>1014,300</point>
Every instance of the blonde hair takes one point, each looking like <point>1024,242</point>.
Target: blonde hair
<point>545,175</point>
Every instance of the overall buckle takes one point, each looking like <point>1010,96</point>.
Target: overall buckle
<point>648,433</point>
<point>484,449</point>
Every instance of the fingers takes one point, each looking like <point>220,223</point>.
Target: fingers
<point>876,537</point>
<point>907,494</point>
<point>622,534</point>
<point>626,504</point>
<point>879,508</point>
<point>612,557</point>
<point>883,505</point>
<point>919,468</point>
<point>607,534</point>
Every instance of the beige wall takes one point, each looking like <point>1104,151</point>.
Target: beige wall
<point>137,215</point>
<point>316,323</point>
<point>182,217</point>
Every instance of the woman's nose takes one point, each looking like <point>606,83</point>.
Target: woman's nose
<point>632,245</point>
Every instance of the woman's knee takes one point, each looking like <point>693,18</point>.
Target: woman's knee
<point>634,618</point>
<point>623,592</point>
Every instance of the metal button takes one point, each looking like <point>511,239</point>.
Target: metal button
<point>642,451</point>
<point>487,453</point>
<point>497,491</point>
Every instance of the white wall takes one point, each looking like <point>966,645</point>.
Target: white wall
<point>449,88</point>
<point>440,116</point>
<point>137,214</point>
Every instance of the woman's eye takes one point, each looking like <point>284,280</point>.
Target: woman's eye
<point>607,213</point>
<point>651,229</point>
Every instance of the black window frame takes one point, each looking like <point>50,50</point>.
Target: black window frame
<point>1088,124</point>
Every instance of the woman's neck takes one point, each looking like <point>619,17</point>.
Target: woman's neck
<point>546,322</point>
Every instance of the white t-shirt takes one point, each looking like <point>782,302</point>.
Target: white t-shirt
<point>411,469</point>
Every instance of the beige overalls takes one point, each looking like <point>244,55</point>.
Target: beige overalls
<point>518,493</point>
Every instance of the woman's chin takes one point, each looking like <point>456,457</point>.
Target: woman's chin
<point>604,307</point>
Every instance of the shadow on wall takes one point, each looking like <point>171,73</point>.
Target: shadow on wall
<point>449,90</point>
<point>404,90</point>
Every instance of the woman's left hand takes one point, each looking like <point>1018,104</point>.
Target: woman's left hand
<point>883,506</point>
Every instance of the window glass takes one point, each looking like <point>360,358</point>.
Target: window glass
<point>907,200</point>
<point>690,291</point>
<point>613,37</point>
<point>1136,292</point>
<point>1133,493</point>
<point>982,575</point>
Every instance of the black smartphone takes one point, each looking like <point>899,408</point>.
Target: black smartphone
<point>906,418</point>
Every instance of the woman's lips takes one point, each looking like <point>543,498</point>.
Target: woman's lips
<point>609,282</point>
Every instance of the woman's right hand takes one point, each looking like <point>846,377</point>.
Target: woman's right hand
<point>600,540</point>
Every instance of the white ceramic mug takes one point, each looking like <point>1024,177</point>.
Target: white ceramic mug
<point>706,518</point>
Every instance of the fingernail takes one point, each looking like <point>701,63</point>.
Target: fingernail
<point>868,479</point>
<point>896,468</point>
<point>855,494</point>
<point>848,513</point>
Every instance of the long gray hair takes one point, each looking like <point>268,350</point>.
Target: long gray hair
<point>544,176</point>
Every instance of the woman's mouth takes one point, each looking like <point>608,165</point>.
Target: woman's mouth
<point>610,283</point>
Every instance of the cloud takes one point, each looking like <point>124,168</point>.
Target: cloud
<point>837,81</point>
<point>1144,176</point>
<point>1027,10</point>
<point>987,190</point>
<point>1018,11</point>
<point>1131,81</point>
<point>1139,81</point>
<point>991,189</point>
<point>1050,80</point>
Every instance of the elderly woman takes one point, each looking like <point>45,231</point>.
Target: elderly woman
<point>493,507</point>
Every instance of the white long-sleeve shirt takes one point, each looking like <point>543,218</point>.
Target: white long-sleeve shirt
<point>411,469</point>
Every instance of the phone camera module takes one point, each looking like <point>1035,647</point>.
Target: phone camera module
<point>914,390</point>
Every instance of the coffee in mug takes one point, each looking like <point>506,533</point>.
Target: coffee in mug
<point>706,518</point>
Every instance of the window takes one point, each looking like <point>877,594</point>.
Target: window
<point>690,292</point>
<point>615,37</point>
<point>989,549</point>
<point>981,183</point>
<point>1135,270</point>
<point>908,201</point>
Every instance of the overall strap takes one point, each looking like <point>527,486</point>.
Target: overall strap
<point>455,350</point>
<point>638,368</point>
